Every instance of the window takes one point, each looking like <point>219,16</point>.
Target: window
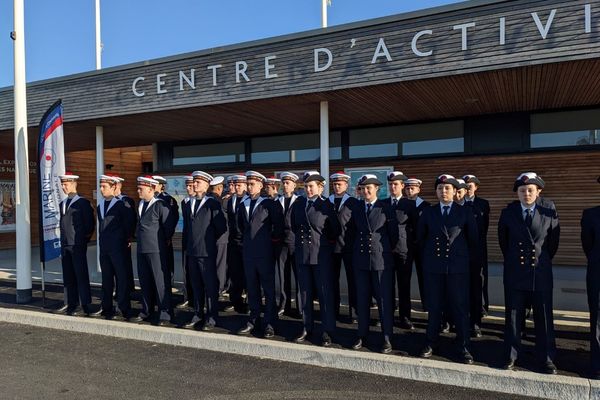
<point>217,153</point>
<point>293,148</point>
<point>407,140</point>
<point>567,128</point>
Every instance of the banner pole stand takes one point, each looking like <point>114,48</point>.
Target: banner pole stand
<point>43,266</point>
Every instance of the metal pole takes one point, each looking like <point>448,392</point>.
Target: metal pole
<point>324,13</point>
<point>98,39</point>
<point>99,171</point>
<point>23,234</point>
<point>325,144</point>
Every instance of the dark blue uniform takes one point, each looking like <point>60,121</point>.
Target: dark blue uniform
<point>590,241</point>
<point>115,228</point>
<point>76,228</point>
<point>415,253</point>
<point>235,261</point>
<point>206,225</point>
<point>261,224</point>
<point>479,276</point>
<point>316,229</point>
<point>376,234</point>
<point>153,229</point>
<point>528,253</point>
<point>131,209</point>
<point>446,242</point>
<point>343,251</point>
<point>188,291</point>
<point>173,219</point>
<point>285,257</point>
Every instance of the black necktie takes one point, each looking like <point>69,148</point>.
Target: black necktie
<point>337,201</point>
<point>67,204</point>
<point>145,207</point>
<point>106,204</point>
<point>197,205</point>
<point>395,202</point>
<point>528,218</point>
<point>369,208</point>
<point>286,203</point>
<point>310,204</point>
<point>252,204</point>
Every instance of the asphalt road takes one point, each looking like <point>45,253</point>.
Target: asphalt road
<point>52,364</point>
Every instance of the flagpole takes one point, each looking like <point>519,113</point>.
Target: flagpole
<point>23,229</point>
<point>324,116</point>
<point>324,4</point>
<point>99,135</point>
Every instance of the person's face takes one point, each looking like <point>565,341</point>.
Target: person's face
<point>288,186</point>
<point>231,187</point>
<point>528,194</point>
<point>69,187</point>
<point>359,192</point>
<point>145,192</point>
<point>471,189</point>
<point>271,190</point>
<point>218,190</point>
<point>200,186</point>
<point>118,188</point>
<point>312,189</point>
<point>254,187</point>
<point>339,187</point>
<point>189,187</point>
<point>412,191</point>
<point>107,190</point>
<point>240,188</point>
<point>445,192</point>
<point>460,194</point>
<point>396,188</point>
<point>370,192</point>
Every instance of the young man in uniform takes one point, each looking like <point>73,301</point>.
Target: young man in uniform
<point>235,261</point>
<point>216,192</point>
<point>188,291</point>
<point>161,193</point>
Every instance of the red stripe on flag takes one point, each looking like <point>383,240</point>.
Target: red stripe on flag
<point>57,122</point>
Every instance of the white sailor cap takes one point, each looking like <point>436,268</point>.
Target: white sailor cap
<point>189,178</point>
<point>272,180</point>
<point>339,176</point>
<point>159,179</point>
<point>68,177</point>
<point>202,176</point>
<point>528,178</point>
<point>256,176</point>
<point>289,176</point>
<point>310,176</point>
<point>147,180</point>
<point>413,181</point>
<point>218,180</point>
<point>239,178</point>
<point>369,179</point>
<point>112,179</point>
<point>461,183</point>
<point>446,179</point>
<point>471,178</point>
<point>396,176</point>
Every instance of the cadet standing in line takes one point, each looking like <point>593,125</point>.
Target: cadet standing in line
<point>114,228</point>
<point>174,219</point>
<point>153,229</point>
<point>261,224</point>
<point>343,204</point>
<point>482,208</point>
<point>528,235</point>
<point>447,234</point>
<point>285,257</point>
<point>235,261</point>
<point>403,208</point>
<point>130,206</point>
<point>316,229</point>
<point>188,291</point>
<point>412,187</point>
<point>272,187</point>
<point>590,241</point>
<point>76,228</point>
<point>216,191</point>
<point>206,225</point>
<point>376,234</point>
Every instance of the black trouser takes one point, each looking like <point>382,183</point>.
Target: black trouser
<point>350,281</point>
<point>484,276</point>
<point>286,264</point>
<point>222,266</point>
<point>235,270</point>
<point>170,258</point>
<point>418,259</point>
<point>129,269</point>
<point>475,293</point>
<point>380,285</point>
<point>114,269</point>
<point>448,293</point>
<point>260,273</point>
<point>516,304</point>
<point>188,291</point>
<point>76,278</point>
<point>317,278</point>
<point>403,272</point>
<point>203,273</point>
<point>593,295</point>
<point>155,280</point>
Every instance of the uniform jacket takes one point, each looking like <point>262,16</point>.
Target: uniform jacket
<point>185,216</point>
<point>345,240</point>
<point>131,210</point>
<point>173,209</point>
<point>114,226</point>
<point>527,252</point>
<point>375,235</point>
<point>77,222</point>
<point>261,229</point>
<point>289,238</point>
<point>316,230</point>
<point>405,213</point>
<point>205,227</point>
<point>224,238</point>
<point>590,241</point>
<point>446,246</point>
<point>154,227</point>
<point>233,205</point>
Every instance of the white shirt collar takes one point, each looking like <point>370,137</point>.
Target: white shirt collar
<point>442,205</point>
<point>523,208</point>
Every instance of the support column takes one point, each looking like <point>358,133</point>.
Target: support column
<point>324,140</point>
<point>23,234</point>
<point>154,157</point>
<point>99,171</point>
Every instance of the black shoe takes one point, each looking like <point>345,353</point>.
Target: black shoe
<point>292,314</point>
<point>63,310</point>
<point>549,368</point>
<point>134,318</point>
<point>476,331</point>
<point>302,337</point>
<point>82,312</point>
<point>208,326</point>
<point>406,323</point>
<point>445,327</point>
<point>269,332</point>
<point>241,309</point>
<point>376,323</point>
<point>98,314</point>
<point>193,323</point>
<point>427,352</point>
<point>246,330</point>
<point>466,357</point>
<point>510,365</point>
<point>358,344</point>
<point>325,340</point>
<point>185,304</point>
<point>229,308</point>
<point>144,316</point>
<point>165,322</point>
<point>280,312</point>
<point>387,347</point>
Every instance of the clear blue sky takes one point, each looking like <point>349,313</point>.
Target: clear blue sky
<point>60,33</point>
